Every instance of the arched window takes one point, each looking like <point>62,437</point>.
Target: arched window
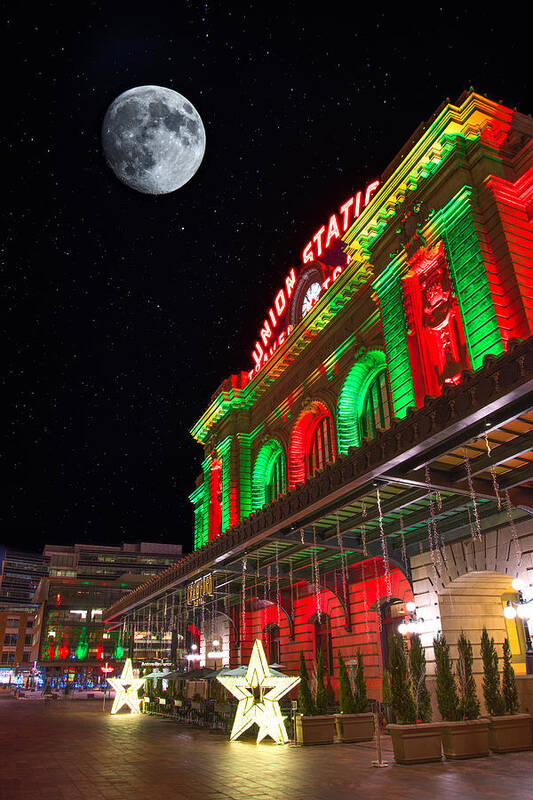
<point>269,477</point>
<point>320,447</point>
<point>275,481</point>
<point>312,443</point>
<point>364,401</point>
<point>377,411</point>
<point>323,641</point>
<point>272,636</point>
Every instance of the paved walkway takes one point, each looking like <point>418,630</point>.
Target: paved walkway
<point>72,750</point>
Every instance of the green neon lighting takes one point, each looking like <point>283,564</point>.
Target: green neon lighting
<point>245,463</point>
<point>465,260</point>
<point>262,473</point>
<point>387,287</point>
<point>352,398</point>
<point>224,449</point>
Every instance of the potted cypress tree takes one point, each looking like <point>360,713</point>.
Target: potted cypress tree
<point>313,724</point>
<point>386,696</point>
<point>354,723</point>
<point>461,738</point>
<point>413,739</point>
<point>468,735</point>
<point>508,729</point>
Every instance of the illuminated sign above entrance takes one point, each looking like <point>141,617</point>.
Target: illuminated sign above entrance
<point>322,263</point>
<point>348,213</point>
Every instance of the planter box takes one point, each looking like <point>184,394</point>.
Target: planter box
<point>315,730</point>
<point>509,733</point>
<point>416,744</point>
<point>354,727</point>
<point>466,739</point>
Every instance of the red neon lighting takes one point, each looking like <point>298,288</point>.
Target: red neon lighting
<point>301,437</point>
<point>275,313</point>
<point>333,230</point>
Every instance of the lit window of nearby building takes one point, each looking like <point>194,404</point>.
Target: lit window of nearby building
<point>27,639</point>
<point>8,658</point>
<point>12,622</point>
<point>377,412</point>
<point>320,451</point>
<point>10,639</point>
<point>25,657</point>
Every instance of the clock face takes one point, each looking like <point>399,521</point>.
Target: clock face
<point>311,297</point>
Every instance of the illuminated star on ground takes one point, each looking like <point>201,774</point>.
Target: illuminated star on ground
<point>258,693</point>
<point>126,688</point>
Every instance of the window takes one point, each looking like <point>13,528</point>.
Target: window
<point>8,658</point>
<point>25,657</point>
<point>272,635</point>
<point>10,639</point>
<point>12,622</point>
<point>323,643</point>
<point>320,450</point>
<point>377,411</point>
<point>27,639</point>
<point>29,623</point>
<point>275,482</point>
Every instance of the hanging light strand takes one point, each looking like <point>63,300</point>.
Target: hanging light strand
<point>402,535</point>
<point>476,527</point>
<point>344,565</point>
<point>363,529</point>
<point>278,599</point>
<point>514,534</point>
<point>316,577</point>
<point>493,475</point>
<point>384,547</point>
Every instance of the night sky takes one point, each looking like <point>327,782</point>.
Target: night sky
<point>123,312</point>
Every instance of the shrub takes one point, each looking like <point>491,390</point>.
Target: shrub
<point>386,694</point>
<point>491,677</point>
<point>306,705</point>
<point>510,692</point>
<point>468,702</point>
<point>321,698</point>
<point>360,696</point>
<point>417,668</point>
<point>402,699</point>
<point>346,698</point>
<point>447,698</point>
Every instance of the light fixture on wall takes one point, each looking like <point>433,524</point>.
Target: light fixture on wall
<point>215,653</point>
<point>412,623</point>
<point>194,655</point>
<point>524,607</point>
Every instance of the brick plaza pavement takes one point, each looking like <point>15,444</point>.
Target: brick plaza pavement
<point>70,749</point>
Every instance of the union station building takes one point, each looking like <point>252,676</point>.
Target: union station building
<point>373,464</point>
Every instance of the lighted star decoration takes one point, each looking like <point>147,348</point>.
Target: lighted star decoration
<point>126,688</point>
<point>258,693</point>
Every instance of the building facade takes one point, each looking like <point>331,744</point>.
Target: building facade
<point>71,642</point>
<point>378,449</point>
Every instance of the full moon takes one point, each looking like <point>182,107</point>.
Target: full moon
<point>153,139</point>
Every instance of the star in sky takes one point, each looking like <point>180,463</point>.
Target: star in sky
<point>126,688</point>
<point>258,693</point>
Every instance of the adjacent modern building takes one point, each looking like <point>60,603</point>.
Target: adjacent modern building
<point>371,468</point>
<point>71,642</point>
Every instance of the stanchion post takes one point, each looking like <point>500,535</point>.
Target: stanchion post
<point>379,760</point>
